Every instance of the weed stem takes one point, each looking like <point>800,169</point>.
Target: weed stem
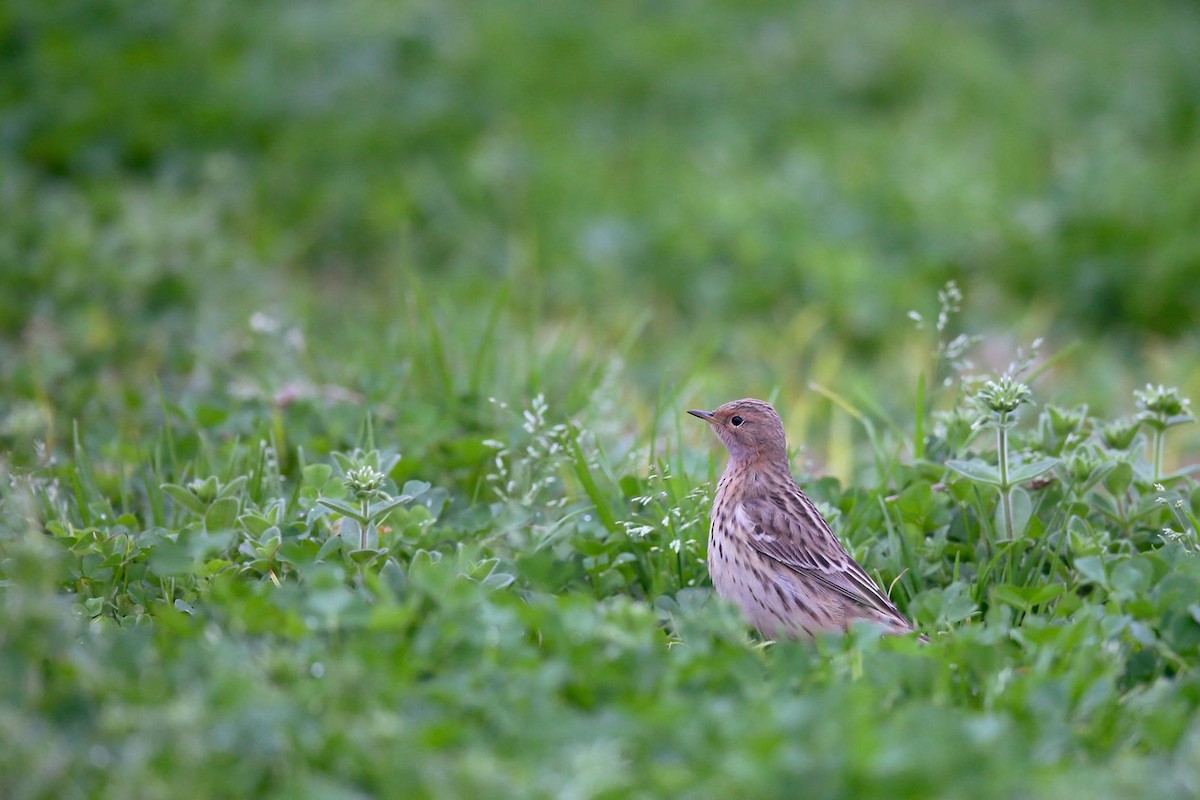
<point>1005,489</point>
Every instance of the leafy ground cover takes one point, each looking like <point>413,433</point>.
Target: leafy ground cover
<point>211,617</point>
<point>343,354</point>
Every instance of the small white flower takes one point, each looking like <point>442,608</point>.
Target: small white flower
<point>261,322</point>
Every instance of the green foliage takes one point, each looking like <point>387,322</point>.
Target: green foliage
<point>229,635</point>
<point>343,353</point>
<point>838,152</point>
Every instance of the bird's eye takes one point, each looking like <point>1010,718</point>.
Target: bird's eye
<point>735,421</point>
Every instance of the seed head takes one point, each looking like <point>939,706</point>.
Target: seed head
<point>204,488</point>
<point>363,481</point>
<point>1064,421</point>
<point>1003,396</point>
<point>1161,408</point>
<point>1118,434</point>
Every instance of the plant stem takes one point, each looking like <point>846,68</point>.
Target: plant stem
<point>1160,436</point>
<point>919,428</point>
<point>362,531</point>
<point>1005,489</point>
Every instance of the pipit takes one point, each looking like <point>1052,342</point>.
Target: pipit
<point>769,550</point>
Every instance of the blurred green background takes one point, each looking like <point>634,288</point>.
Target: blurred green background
<point>511,242</point>
<point>729,198</point>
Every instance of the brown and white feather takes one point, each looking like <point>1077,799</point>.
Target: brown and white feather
<point>770,551</point>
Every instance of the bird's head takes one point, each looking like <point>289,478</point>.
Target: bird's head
<point>749,429</point>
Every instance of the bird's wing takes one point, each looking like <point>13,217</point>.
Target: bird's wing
<point>787,528</point>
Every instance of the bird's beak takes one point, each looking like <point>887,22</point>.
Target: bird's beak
<point>707,416</point>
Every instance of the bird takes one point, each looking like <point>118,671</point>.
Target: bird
<point>770,552</point>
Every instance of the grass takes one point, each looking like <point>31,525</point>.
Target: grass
<point>343,355</point>
<point>211,616</point>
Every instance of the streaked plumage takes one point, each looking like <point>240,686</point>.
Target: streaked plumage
<point>769,550</point>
